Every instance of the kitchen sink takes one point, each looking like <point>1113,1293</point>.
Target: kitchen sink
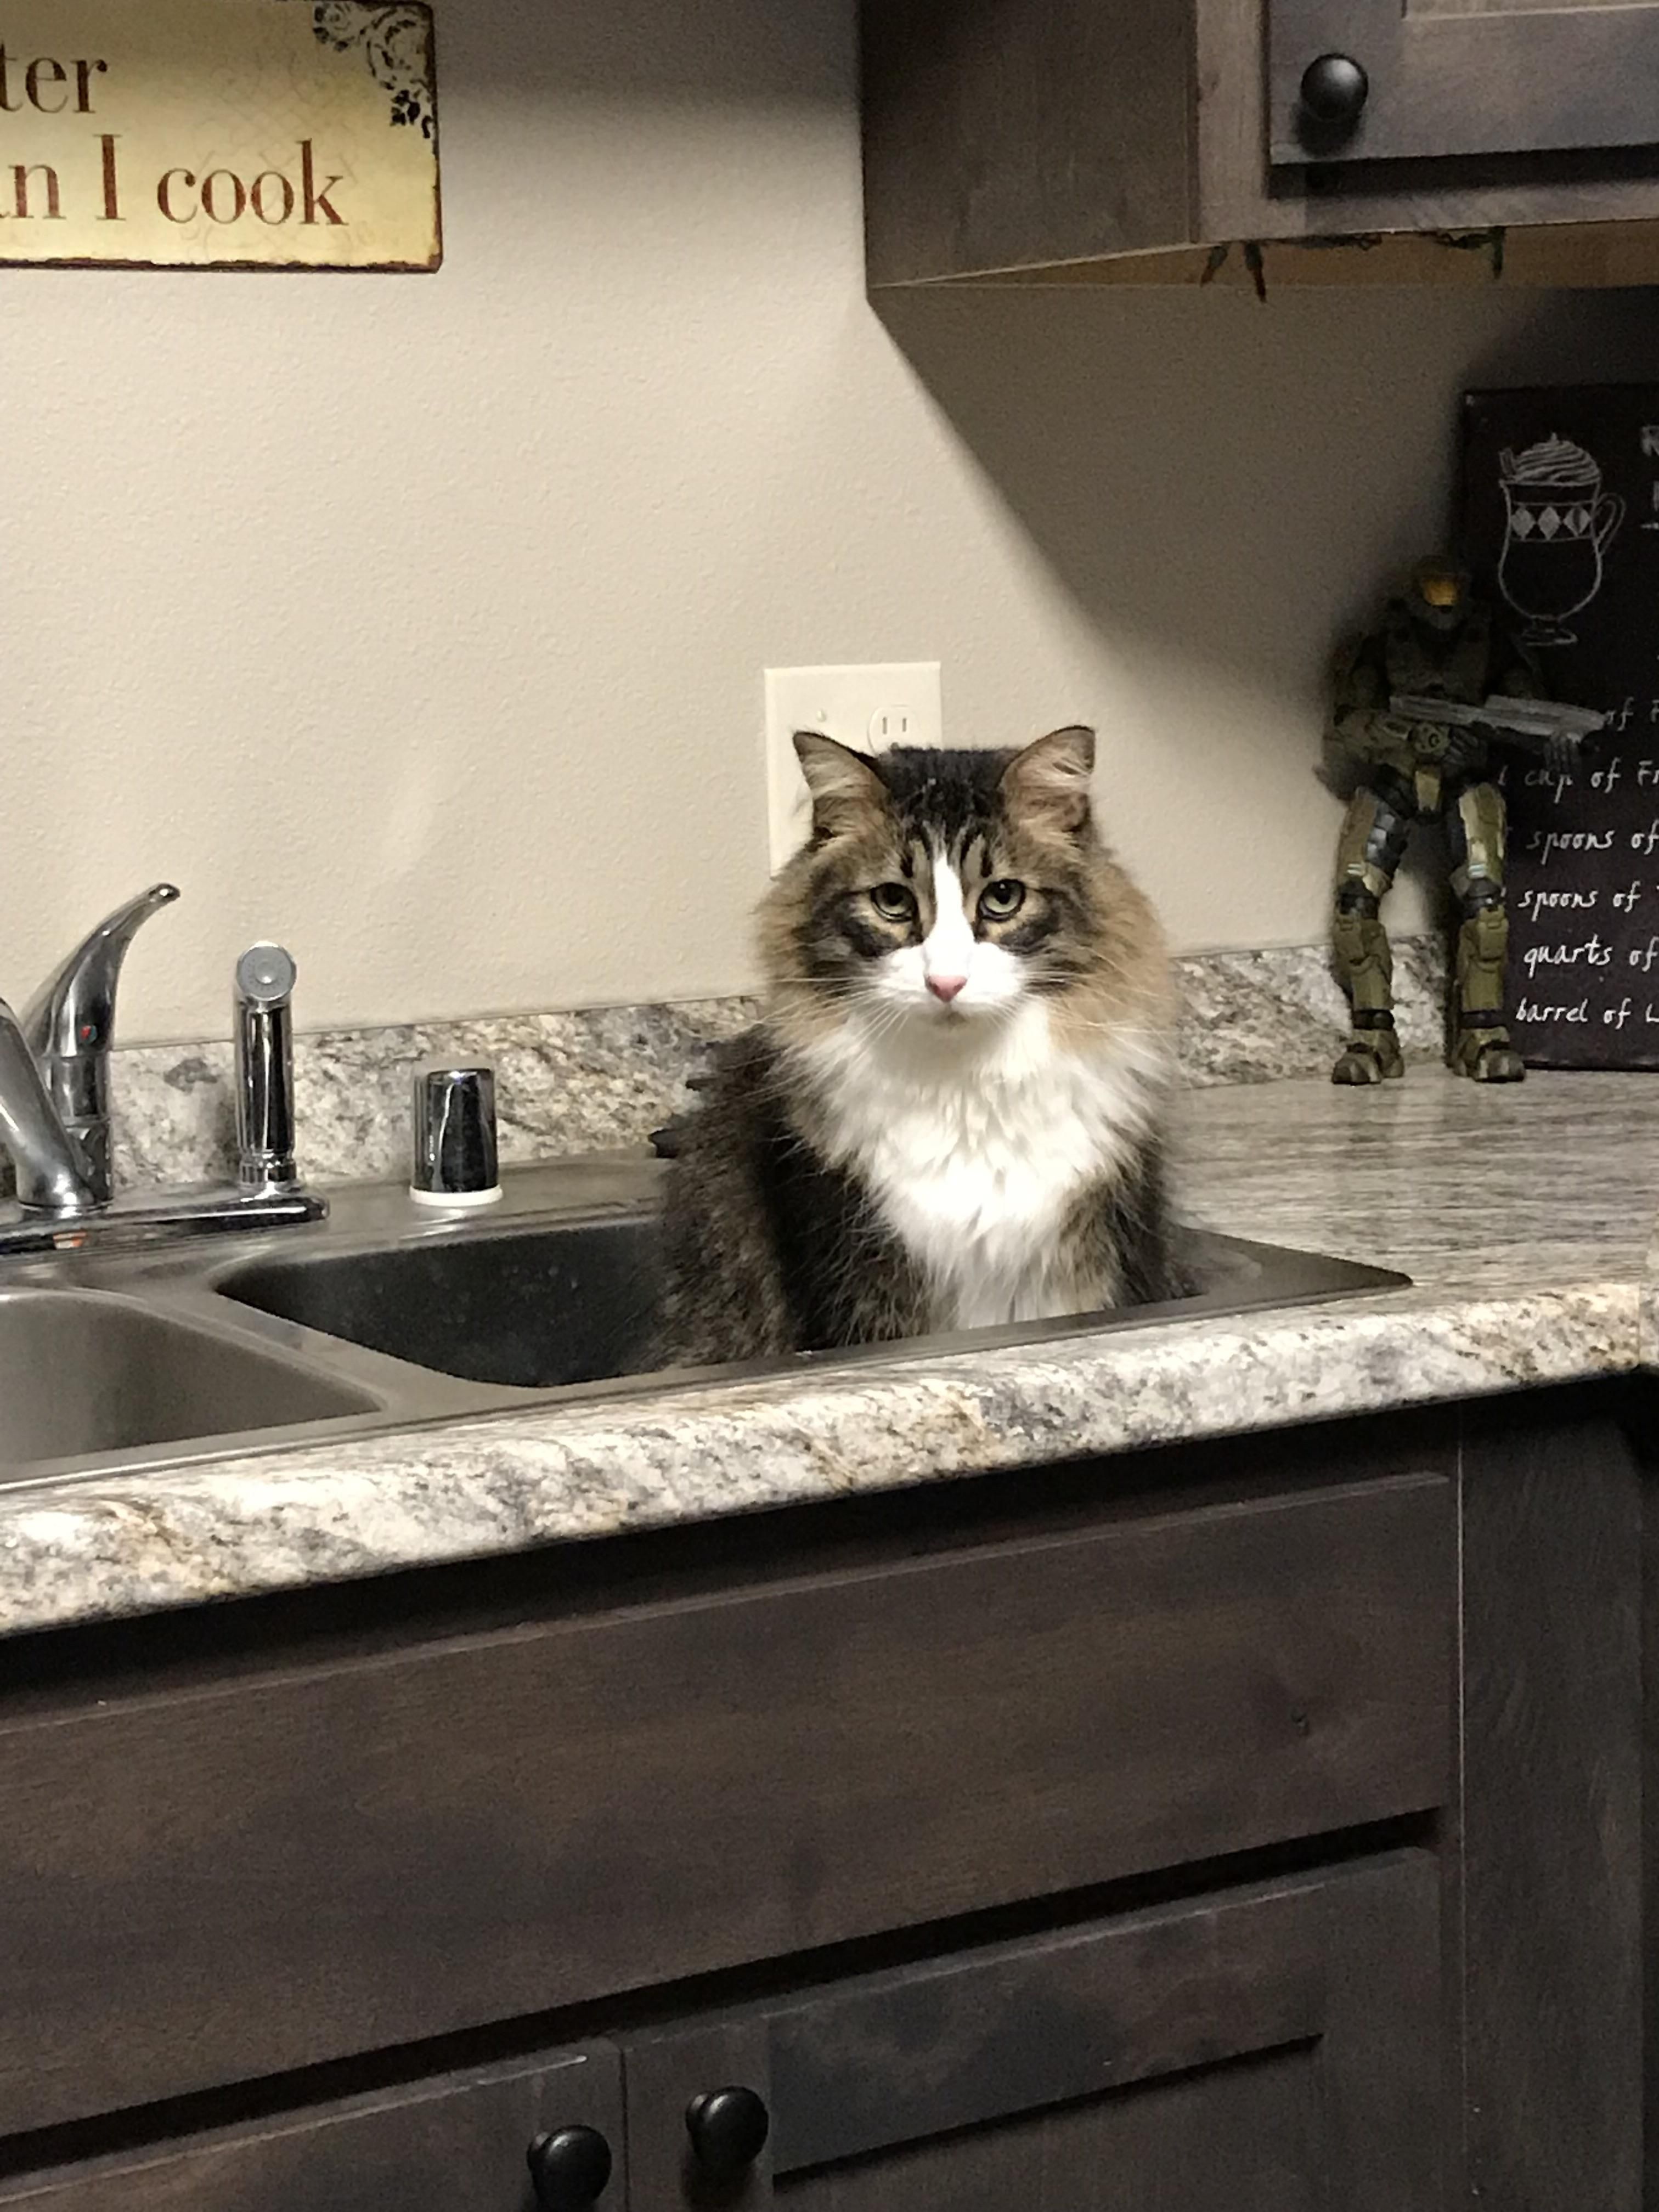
<point>532,1308</point>
<point>386,1315</point>
<point>545,1305</point>
<point>84,1372</point>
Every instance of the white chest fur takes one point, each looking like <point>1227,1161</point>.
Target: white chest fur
<point>976,1151</point>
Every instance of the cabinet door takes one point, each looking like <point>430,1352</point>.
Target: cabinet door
<point>460,2144</point>
<point>1465,77</point>
<point>1275,2050</point>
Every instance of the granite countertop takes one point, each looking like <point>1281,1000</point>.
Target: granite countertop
<point>1525,1217</point>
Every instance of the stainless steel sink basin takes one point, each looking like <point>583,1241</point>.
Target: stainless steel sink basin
<point>82,1372</point>
<point>386,1316</point>
<point>543,1305</point>
<point>535,1307</point>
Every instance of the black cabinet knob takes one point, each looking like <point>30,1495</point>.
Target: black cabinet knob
<point>728,2129</point>
<point>1334,89</point>
<point>569,2169</point>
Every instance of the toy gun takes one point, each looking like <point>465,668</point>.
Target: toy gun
<point>1542,724</point>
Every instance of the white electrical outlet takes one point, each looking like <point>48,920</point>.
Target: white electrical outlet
<point>899,704</point>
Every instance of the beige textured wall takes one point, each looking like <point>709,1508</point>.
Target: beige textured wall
<point>420,621</point>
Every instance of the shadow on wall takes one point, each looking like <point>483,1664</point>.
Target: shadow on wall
<point>1230,483</point>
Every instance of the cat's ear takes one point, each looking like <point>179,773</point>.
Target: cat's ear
<point>1051,778</point>
<point>844,784</point>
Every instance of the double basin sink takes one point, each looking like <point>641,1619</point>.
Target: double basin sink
<point>386,1316</point>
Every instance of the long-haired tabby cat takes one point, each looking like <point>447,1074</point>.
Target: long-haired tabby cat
<point>949,1117</point>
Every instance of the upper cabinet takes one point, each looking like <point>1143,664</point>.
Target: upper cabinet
<point>1307,141</point>
<point>1380,81</point>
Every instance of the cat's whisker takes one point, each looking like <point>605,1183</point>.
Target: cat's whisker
<point>1130,1032</point>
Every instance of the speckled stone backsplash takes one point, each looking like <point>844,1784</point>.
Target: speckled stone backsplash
<point>1254,1017</point>
<point>589,1081</point>
<point>565,1083</point>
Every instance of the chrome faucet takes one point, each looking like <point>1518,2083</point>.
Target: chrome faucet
<point>67,1028</point>
<point>54,1105</point>
<point>52,1178</point>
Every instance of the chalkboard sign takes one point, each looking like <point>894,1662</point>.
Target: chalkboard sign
<point>1560,511</point>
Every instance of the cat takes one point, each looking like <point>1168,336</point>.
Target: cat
<point>950,1115</point>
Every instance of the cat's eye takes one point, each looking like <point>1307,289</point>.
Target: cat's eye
<point>893,902</point>
<point>1000,901</point>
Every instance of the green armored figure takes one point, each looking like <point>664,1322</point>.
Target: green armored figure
<point>1418,707</point>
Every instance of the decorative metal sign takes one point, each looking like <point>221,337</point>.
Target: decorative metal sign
<point>275,134</point>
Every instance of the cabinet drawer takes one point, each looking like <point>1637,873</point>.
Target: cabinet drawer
<point>243,1879</point>
<point>455,2145</point>
<point>1450,81</point>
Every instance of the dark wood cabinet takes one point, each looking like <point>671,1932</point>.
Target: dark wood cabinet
<point>1432,78</point>
<point>460,2143</point>
<point>397,1845</point>
<point>1253,1827</point>
<point>1175,141</point>
<point>1236,2054</point>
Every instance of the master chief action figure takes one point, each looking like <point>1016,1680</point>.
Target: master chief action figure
<point>1417,707</point>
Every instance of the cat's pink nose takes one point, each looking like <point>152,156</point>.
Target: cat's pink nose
<point>946,986</point>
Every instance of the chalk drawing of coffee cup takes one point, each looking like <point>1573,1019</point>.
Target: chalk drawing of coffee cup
<point>1559,522</point>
